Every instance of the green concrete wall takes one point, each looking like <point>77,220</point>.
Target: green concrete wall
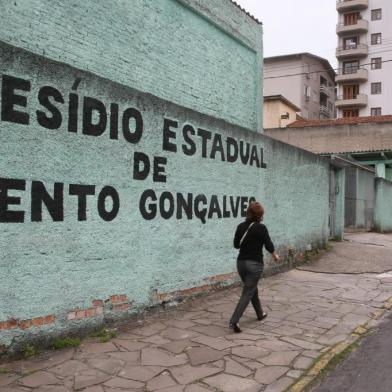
<point>200,54</point>
<point>79,104</point>
<point>54,267</point>
<point>388,173</point>
<point>383,206</point>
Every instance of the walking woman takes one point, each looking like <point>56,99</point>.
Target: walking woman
<point>250,237</point>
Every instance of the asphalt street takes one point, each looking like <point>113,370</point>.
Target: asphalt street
<point>368,368</point>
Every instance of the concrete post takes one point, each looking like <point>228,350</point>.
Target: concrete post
<point>380,170</point>
<point>340,198</point>
<point>382,206</point>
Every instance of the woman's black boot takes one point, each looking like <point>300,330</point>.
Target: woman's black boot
<point>235,327</point>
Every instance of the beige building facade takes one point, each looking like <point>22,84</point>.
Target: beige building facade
<point>278,112</point>
<point>306,80</point>
<point>365,140</point>
<point>364,37</point>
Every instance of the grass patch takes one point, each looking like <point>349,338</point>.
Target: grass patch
<point>105,335</point>
<point>29,351</point>
<point>61,343</point>
<point>5,370</point>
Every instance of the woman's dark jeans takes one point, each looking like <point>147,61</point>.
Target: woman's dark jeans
<point>250,272</point>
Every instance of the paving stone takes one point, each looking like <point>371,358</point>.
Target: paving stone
<point>229,383</point>
<point>280,385</point>
<point>89,378</point>
<point>196,388</point>
<point>51,388</point>
<point>155,357</point>
<point>118,382</point>
<point>47,360</point>
<point>242,336</point>
<point>95,388</point>
<point>96,348</point>
<point>156,339</point>
<point>132,357</point>
<point>178,346</point>
<point>311,353</point>
<point>130,345</point>
<point>140,373</point>
<point>254,365</point>
<point>203,321</point>
<point>127,336</point>
<point>7,378</point>
<point>303,363</point>
<point>39,378</point>
<point>178,334</point>
<point>210,330</point>
<point>187,374</point>
<point>251,352</point>
<point>283,358</point>
<point>216,343</point>
<point>276,345</point>
<point>269,374</point>
<point>302,343</point>
<point>219,364</point>
<point>331,339</point>
<point>200,355</point>
<point>177,388</point>
<point>15,388</point>
<point>233,367</point>
<point>107,365</point>
<point>182,324</point>
<point>148,331</point>
<point>162,381</point>
<point>288,330</point>
<point>194,315</point>
<point>69,368</point>
<point>295,373</point>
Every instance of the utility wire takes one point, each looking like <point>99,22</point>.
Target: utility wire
<point>322,71</point>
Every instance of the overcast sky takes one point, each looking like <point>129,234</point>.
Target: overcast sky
<point>292,26</point>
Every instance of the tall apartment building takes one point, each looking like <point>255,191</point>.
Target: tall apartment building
<point>364,53</point>
<point>306,80</point>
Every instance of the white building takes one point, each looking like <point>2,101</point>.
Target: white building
<point>306,80</point>
<point>364,53</point>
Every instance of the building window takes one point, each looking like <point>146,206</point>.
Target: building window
<point>350,113</point>
<point>350,67</point>
<point>350,43</point>
<point>376,88</point>
<point>375,39</point>
<point>375,111</point>
<point>351,19</point>
<point>376,63</point>
<point>350,91</point>
<point>376,14</point>
<point>307,93</point>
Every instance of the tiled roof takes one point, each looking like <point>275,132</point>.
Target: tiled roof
<point>341,121</point>
<point>246,12</point>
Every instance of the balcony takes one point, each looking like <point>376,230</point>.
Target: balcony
<point>359,100</point>
<point>353,50</point>
<point>325,111</point>
<point>362,26</point>
<point>351,5</point>
<point>354,74</point>
<point>325,90</point>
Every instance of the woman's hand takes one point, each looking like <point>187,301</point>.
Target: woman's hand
<point>275,256</point>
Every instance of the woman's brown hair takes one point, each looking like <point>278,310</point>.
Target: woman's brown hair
<point>254,212</point>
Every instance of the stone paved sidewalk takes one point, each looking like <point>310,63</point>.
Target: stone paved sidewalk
<point>190,349</point>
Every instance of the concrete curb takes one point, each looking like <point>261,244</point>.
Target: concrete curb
<point>317,368</point>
